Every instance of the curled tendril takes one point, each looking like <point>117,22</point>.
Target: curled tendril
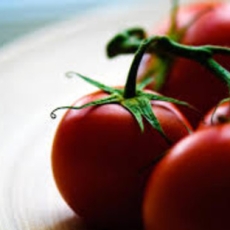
<point>53,115</point>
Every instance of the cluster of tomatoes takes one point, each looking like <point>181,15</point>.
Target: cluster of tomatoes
<point>116,176</point>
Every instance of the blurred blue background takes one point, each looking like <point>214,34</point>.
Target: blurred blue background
<point>19,17</point>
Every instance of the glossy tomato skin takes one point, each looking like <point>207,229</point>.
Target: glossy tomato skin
<point>190,188</point>
<point>188,80</point>
<point>216,116</point>
<point>99,160</point>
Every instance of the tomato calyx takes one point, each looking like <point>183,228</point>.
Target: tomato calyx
<point>132,96</point>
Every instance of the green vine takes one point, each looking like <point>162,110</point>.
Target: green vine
<point>132,96</point>
<point>162,63</point>
<point>163,45</point>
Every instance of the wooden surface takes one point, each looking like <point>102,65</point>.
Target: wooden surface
<point>32,84</point>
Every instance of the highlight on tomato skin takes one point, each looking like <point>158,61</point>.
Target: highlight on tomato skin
<point>218,115</point>
<point>99,160</point>
<point>190,187</point>
<point>187,80</point>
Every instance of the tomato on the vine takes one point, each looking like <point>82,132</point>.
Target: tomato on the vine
<point>190,187</point>
<point>99,158</point>
<point>106,145</point>
<point>206,23</point>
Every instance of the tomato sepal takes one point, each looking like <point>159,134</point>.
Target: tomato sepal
<point>132,96</point>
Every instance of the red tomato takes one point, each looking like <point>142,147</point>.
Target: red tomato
<point>101,159</point>
<point>190,188</point>
<point>216,116</point>
<point>187,80</point>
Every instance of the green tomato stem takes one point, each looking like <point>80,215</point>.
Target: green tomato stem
<point>131,97</point>
<point>163,45</point>
<point>130,86</point>
<point>218,70</point>
<point>128,40</point>
<point>201,54</point>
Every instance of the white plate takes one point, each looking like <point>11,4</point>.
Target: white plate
<point>32,83</point>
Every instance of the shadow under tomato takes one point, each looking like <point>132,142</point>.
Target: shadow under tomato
<point>70,223</point>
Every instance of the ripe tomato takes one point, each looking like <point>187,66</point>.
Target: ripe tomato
<point>187,80</point>
<point>190,187</point>
<point>100,160</point>
<point>216,116</point>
